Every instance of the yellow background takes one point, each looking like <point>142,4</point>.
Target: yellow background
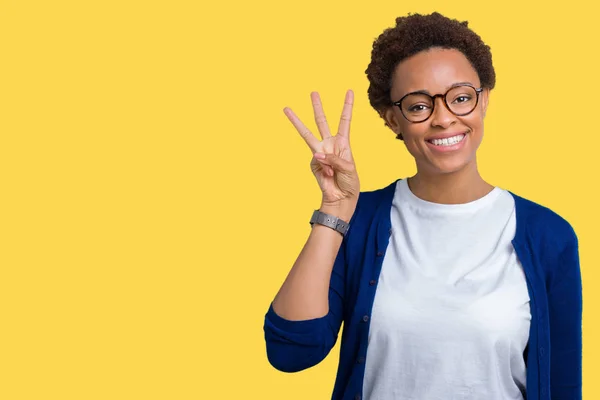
<point>154,195</point>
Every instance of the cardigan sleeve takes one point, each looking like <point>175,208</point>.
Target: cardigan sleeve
<point>566,307</point>
<point>293,346</point>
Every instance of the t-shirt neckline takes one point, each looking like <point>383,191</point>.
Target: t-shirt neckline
<point>407,195</point>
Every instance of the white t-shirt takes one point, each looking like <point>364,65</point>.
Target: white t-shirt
<point>451,313</point>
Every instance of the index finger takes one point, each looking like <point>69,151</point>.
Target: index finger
<point>308,137</point>
<point>344,127</point>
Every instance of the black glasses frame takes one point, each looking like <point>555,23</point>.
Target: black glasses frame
<point>443,96</point>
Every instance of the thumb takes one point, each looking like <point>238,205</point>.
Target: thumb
<point>336,162</point>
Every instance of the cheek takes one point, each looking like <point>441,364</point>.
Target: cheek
<point>413,139</point>
<point>475,122</point>
<point>477,129</point>
<point>414,131</point>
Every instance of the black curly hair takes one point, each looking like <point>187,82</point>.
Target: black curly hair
<point>415,33</point>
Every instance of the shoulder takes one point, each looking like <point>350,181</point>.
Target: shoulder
<point>372,206</point>
<point>371,199</point>
<point>535,220</point>
<point>374,203</point>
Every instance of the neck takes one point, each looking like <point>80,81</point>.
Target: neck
<point>457,187</point>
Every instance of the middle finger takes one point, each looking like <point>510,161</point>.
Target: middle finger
<point>320,116</point>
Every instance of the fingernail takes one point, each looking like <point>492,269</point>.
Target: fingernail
<point>320,156</point>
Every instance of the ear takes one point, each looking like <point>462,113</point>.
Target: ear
<point>390,120</point>
<point>485,99</point>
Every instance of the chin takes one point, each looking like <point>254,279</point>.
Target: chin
<point>455,165</point>
<point>448,166</point>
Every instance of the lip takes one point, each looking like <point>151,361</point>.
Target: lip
<point>445,149</point>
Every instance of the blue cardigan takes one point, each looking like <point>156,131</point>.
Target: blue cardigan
<point>544,242</point>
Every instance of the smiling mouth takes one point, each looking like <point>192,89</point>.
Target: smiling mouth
<point>448,141</point>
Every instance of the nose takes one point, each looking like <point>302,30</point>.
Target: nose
<point>441,116</point>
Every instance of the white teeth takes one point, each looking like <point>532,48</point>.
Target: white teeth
<point>448,141</point>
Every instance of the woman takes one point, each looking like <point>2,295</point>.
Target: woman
<point>448,286</point>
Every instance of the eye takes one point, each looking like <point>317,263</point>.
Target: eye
<point>462,99</point>
<point>417,108</point>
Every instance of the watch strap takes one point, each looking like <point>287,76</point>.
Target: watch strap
<point>330,221</point>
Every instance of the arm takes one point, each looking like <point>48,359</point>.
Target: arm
<point>566,306</point>
<point>302,324</point>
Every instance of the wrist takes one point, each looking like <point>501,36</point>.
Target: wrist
<point>343,211</point>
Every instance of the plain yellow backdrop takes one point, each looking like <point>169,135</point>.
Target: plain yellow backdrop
<point>154,195</point>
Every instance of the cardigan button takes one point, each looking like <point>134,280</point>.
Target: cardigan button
<point>379,253</point>
<point>372,282</point>
<point>360,360</point>
<point>365,318</point>
<point>357,397</point>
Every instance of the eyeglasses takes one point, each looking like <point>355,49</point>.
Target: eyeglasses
<point>459,100</point>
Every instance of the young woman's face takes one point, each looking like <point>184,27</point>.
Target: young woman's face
<point>434,71</point>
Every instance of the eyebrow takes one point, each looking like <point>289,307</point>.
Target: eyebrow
<point>448,88</point>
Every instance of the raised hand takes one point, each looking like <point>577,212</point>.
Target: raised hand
<point>332,162</point>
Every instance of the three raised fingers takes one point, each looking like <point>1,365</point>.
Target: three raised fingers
<point>309,138</point>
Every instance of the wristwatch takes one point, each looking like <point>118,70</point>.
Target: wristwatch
<point>331,221</point>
